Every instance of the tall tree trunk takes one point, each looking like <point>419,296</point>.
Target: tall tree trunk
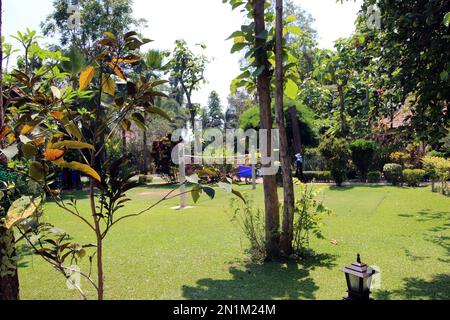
<point>9,279</point>
<point>296,133</point>
<point>145,153</point>
<point>342,110</point>
<point>287,234</point>
<point>270,182</point>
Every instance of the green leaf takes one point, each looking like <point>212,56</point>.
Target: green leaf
<point>236,34</point>
<point>293,29</point>
<point>263,35</point>
<point>291,89</point>
<point>290,19</point>
<point>239,195</point>
<point>29,151</point>
<point>447,19</point>
<point>210,192</point>
<point>238,47</point>
<point>195,192</point>
<point>159,112</point>
<point>73,130</point>
<point>259,71</point>
<point>37,171</point>
<point>139,120</point>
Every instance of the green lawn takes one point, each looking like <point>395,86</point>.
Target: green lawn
<point>198,253</point>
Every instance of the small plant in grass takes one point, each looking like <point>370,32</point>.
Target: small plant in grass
<point>250,220</point>
<point>374,176</point>
<point>393,173</point>
<point>413,177</point>
<point>309,213</point>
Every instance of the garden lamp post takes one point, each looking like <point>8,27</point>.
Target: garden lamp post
<point>359,278</point>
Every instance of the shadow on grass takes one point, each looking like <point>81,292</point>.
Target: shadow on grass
<point>358,186</point>
<point>263,281</point>
<point>420,289</point>
<point>436,235</point>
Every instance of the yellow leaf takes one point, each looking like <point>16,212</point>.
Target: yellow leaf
<point>118,71</point>
<point>86,77</point>
<point>28,127</point>
<point>20,210</point>
<point>108,84</point>
<point>81,167</point>
<point>239,39</point>
<point>73,145</point>
<point>53,154</point>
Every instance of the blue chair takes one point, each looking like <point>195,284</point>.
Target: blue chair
<point>245,172</point>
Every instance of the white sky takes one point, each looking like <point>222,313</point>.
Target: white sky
<point>206,21</point>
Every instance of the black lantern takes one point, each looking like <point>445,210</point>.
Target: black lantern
<point>359,278</point>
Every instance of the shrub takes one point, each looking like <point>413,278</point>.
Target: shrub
<point>251,220</point>
<point>413,177</point>
<point>393,173</point>
<point>363,152</point>
<point>374,176</point>
<point>313,160</point>
<point>337,155</point>
<point>438,169</point>
<point>400,158</point>
<point>317,176</point>
<point>308,218</point>
<point>436,154</point>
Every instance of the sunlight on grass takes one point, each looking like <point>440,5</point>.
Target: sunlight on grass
<point>198,253</point>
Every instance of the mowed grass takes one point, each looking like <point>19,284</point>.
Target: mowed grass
<point>199,253</point>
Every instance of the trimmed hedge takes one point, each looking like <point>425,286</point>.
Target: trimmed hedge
<point>374,176</point>
<point>393,173</point>
<point>318,176</point>
<point>413,177</point>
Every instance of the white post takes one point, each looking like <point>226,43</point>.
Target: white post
<point>182,178</point>
<point>254,176</point>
